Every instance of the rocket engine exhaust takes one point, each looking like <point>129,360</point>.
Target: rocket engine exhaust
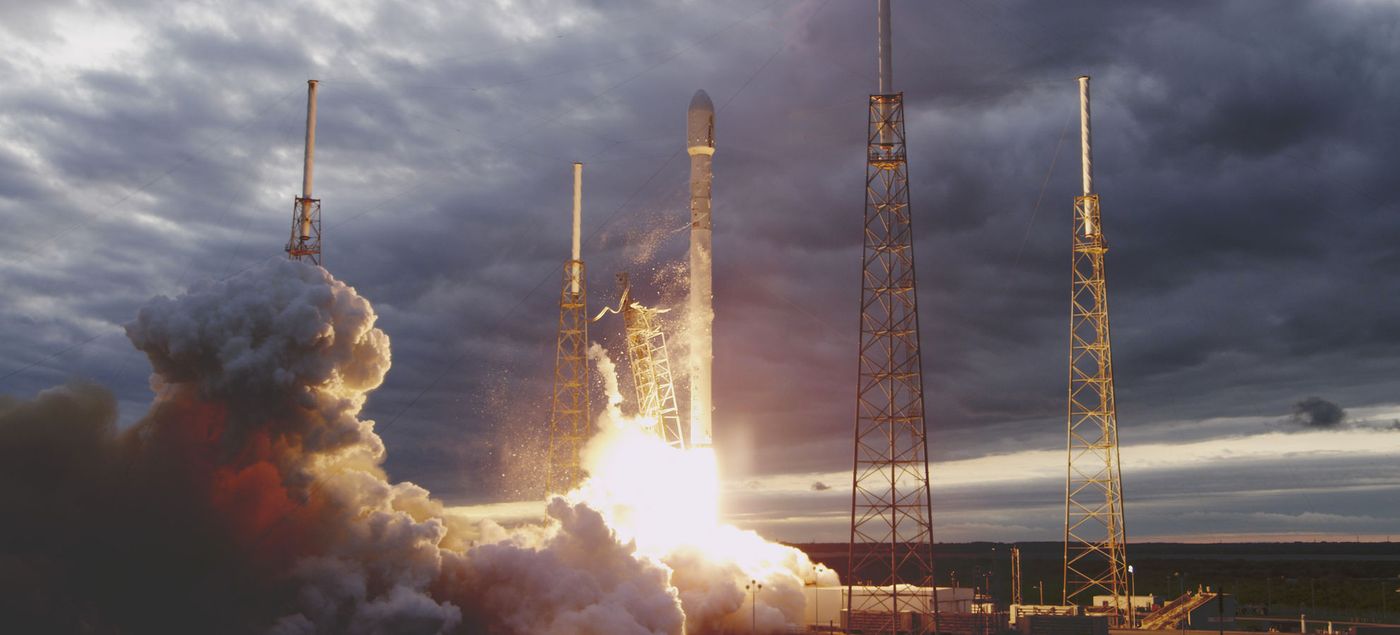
<point>700,143</point>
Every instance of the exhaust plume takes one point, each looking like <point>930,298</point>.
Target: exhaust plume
<point>251,498</point>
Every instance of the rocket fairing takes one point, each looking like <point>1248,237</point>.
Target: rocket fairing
<point>700,143</point>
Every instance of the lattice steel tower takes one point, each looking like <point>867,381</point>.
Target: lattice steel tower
<point>648,356</point>
<point>305,243</point>
<point>570,422</point>
<point>1095,562</point>
<point>1015,575</point>
<point>891,547</point>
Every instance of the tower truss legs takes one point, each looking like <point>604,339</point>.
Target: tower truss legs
<point>650,362</point>
<point>651,372</point>
<point>1016,575</point>
<point>1095,537</point>
<point>570,423</point>
<point>305,243</point>
<point>891,545</point>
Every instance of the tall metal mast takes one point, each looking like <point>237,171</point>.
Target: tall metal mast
<point>1095,538</point>
<point>891,546</point>
<point>1015,575</point>
<point>570,422</point>
<point>305,243</point>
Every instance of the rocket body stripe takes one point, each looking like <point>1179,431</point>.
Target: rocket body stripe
<point>700,144</point>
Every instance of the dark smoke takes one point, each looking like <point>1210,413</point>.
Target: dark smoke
<point>1316,412</point>
<point>109,532</point>
<point>250,499</point>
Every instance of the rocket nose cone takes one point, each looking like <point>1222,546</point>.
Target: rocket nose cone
<point>701,103</point>
<point>700,121</point>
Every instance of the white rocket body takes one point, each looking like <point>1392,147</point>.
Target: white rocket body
<point>700,143</point>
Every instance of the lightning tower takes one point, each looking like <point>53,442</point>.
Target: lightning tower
<point>305,242</point>
<point>1015,575</point>
<point>569,419</point>
<point>1095,562</point>
<point>891,546</point>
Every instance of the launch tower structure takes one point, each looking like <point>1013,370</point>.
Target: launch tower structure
<point>305,242</point>
<point>650,362</point>
<point>570,423</point>
<point>891,547</point>
<point>1095,538</point>
<point>1015,575</point>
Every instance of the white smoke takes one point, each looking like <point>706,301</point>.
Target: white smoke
<point>292,352</point>
<point>578,579</point>
<point>254,456</point>
<point>666,500</point>
<point>608,371</point>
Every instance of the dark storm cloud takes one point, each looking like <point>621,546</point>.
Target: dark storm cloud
<point>1316,412</point>
<point>1242,152</point>
<point>1242,493</point>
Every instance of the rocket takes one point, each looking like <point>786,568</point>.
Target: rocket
<point>700,143</point>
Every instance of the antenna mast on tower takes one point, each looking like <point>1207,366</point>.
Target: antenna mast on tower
<point>305,243</point>
<point>891,545</point>
<point>1095,539</point>
<point>569,419</point>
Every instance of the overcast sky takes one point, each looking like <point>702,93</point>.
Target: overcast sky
<point>1243,155</point>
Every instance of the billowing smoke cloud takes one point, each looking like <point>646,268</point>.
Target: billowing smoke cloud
<point>666,501</point>
<point>612,410</point>
<point>251,499</point>
<point>1316,412</point>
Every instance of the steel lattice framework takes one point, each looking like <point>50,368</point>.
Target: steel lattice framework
<point>569,421</point>
<point>308,246</point>
<point>651,368</point>
<point>891,545</point>
<point>650,362</point>
<point>1095,537</point>
<point>1094,534</point>
<point>1016,575</point>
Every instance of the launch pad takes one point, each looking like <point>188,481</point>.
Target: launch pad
<point>647,352</point>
